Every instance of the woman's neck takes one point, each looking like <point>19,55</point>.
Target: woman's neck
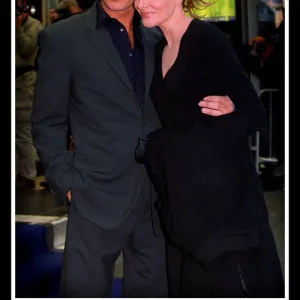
<point>175,27</point>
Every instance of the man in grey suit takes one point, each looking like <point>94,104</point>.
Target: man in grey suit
<point>95,71</point>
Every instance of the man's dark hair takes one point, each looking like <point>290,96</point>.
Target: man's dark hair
<point>85,4</point>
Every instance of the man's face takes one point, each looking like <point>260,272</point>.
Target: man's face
<point>118,5</point>
<point>53,15</point>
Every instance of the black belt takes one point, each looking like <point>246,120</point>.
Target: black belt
<point>22,70</point>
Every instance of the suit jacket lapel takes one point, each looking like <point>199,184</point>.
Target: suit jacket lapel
<point>101,40</point>
<point>149,57</point>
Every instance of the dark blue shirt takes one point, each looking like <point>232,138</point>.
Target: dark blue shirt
<point>132,58</point>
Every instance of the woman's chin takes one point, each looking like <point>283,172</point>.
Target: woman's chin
<point>148,23</point>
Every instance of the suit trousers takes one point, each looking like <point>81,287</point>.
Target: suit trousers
<point>91,252</point>
<point>255,273</point>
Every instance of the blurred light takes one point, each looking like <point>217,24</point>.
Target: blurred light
<point>32,10</point>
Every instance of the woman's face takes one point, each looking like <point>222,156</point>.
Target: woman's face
<point>155,12</point>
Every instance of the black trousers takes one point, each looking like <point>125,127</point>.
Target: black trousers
<point>252,274</point>
<point>91,252</point>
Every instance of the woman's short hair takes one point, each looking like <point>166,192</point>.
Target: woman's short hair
<point>190,6</point>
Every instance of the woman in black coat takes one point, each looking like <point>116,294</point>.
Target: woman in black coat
<point>219,241</point>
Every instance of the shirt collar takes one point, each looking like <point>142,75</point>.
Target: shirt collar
<point>103,17</point>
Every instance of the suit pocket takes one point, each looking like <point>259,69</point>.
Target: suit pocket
<point>60,174</point>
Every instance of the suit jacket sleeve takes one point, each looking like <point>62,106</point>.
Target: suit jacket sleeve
<point>50,113</point>
<point>227,70</point>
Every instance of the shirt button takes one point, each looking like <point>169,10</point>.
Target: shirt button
<point>145,121</point>
<point>130,54</point>
<point>130,94</point>
<point>142,105</point>
<point>121,29</point>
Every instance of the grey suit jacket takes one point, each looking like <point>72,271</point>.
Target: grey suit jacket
<point>82,81</point>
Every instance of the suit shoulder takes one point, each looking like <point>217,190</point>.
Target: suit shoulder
<point>65,29</point>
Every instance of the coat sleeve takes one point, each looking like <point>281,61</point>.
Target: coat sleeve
<point>226,68</point>
<point>50,113</point>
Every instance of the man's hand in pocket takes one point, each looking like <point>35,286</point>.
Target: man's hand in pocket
<point>69,196</point>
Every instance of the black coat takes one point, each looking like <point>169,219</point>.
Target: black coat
<point>211,201</point>
<point>202,166</point>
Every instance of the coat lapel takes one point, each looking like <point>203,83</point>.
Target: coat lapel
<point>101,40</point>
<point>149,57</point>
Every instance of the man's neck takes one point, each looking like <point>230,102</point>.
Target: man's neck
<point>125,17</point>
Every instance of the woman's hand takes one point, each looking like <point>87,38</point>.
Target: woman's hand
<point>216,105</point>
